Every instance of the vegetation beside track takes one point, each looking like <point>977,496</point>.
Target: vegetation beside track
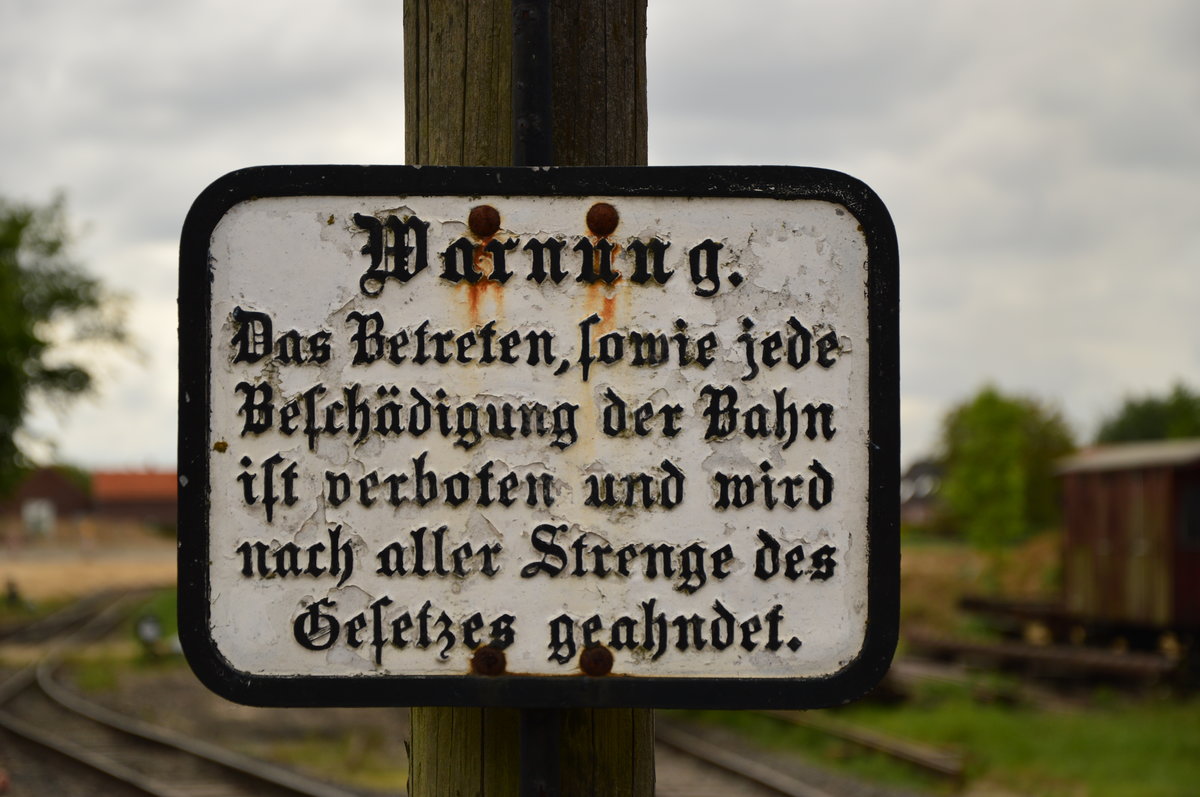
<point>820,749</point>
<point>936,572</point>
<point>359,758</point>
<point>1113,746</point>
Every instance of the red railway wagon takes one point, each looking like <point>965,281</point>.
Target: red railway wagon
<point>1131,548</point>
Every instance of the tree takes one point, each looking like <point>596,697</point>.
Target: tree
<point>1154,418</point>
<point>49,308</point>
<point>998,455</point>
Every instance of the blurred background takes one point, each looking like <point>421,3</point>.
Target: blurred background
<point>1040,161</point>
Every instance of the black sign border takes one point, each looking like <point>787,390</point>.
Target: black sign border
<point>777,182</point>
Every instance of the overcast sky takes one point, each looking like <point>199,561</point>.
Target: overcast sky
<point>1041,160</point>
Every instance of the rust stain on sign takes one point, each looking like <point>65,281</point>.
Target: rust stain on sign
<point>484,222</point>
<point>602,220</point>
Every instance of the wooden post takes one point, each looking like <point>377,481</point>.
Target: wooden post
<point>458,82</point>
<point>458,112</point>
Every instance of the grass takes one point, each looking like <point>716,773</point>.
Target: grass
<point>821,750</point>
<point>22,611</point>
<point>99,667</point>
<point>93,674</point>
<point>1120,748</point>
<point>1116,746</point>
<point>358,757</point>
<point>162,606</point>
<point>936,572</point>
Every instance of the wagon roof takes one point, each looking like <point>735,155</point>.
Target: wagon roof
<point>1129,456</point>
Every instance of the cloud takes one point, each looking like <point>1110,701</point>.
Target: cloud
<point>1039,159</point>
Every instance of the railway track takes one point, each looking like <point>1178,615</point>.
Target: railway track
<point>751,775</point>
<point>1051,661</point>
<point>59,624</point>
<point>930,760</point>
<point>137,758</point>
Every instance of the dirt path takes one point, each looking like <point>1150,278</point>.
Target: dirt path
<point>67,566</point>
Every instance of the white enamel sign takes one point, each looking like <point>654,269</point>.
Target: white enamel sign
<point>508,436</point>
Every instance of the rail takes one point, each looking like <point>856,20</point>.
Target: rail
<point>114,757</point>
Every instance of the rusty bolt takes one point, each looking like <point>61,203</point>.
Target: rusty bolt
<point>484,221</point>
<point>596,660</point>
<point>602,219</point>
<point>487,660</point>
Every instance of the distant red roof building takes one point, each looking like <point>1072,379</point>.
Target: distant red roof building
<point>69,496</point>
<point>133,485</point>
<point>56,494</point>
<point>145,496</point>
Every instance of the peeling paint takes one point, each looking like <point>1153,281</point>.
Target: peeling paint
<point>778,262</point>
